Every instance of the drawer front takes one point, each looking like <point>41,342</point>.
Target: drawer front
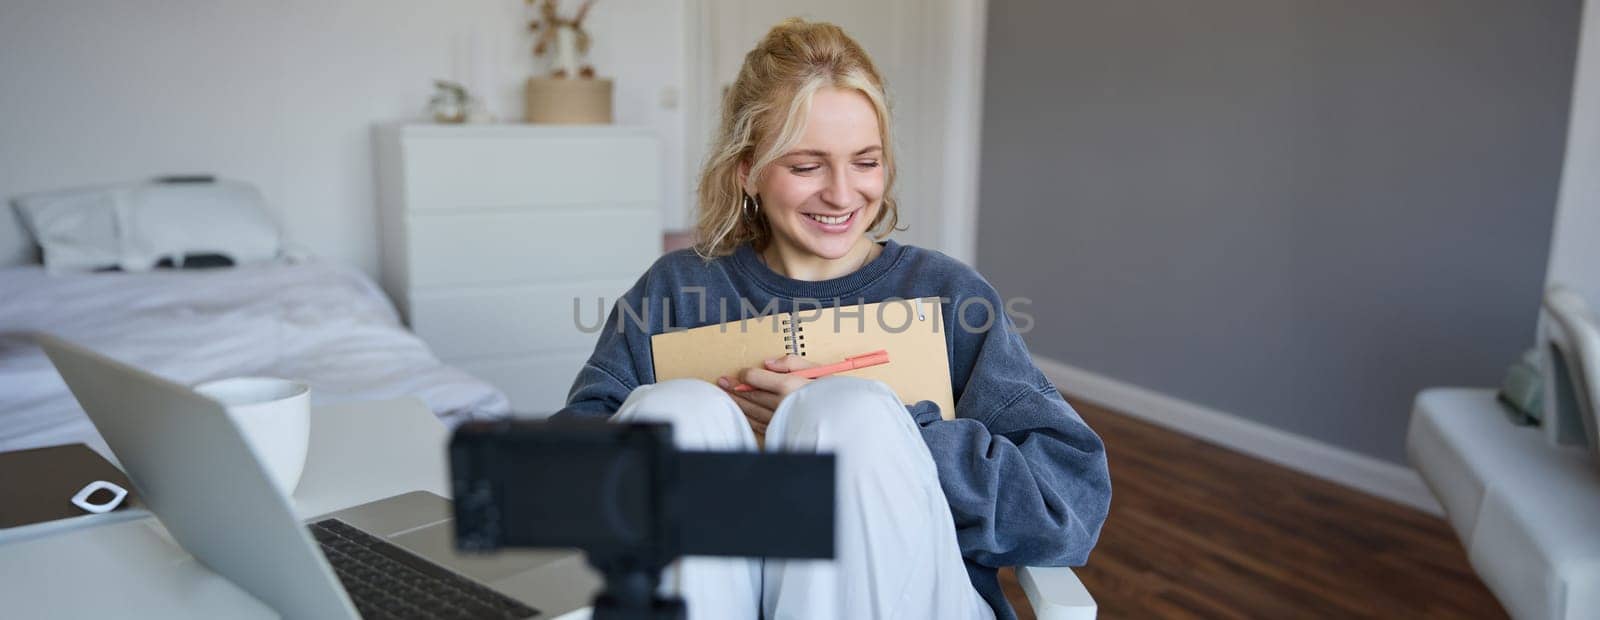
<point>475,172</point>
<point>523,245</point>
<point>520,319</point>
<point>537,385</point>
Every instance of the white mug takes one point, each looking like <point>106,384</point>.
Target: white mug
<point>274,415</point>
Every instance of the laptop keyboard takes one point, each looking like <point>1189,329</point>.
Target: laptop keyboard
<point>386,581</point>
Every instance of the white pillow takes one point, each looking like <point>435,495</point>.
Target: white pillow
<point>78,229</point>
<point>134,226</point>
<point>171,220</point>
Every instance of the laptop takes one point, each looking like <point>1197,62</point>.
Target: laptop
<point>390,558</point>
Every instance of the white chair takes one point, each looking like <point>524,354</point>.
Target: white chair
<point>1056,593</point>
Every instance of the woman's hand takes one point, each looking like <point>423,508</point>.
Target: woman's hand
<point>772,382</point>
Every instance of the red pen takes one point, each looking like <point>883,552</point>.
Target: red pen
<point>850,363</point>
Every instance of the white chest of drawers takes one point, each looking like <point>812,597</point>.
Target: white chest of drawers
<point>490,232</point>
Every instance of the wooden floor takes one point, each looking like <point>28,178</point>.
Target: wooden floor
<point>1199,531</point>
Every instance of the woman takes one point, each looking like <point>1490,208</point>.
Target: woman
<point>795,203</point>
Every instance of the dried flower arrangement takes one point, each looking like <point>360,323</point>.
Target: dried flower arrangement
<point>566,35</point>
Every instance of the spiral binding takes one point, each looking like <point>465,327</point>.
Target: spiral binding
<point>794,337</point>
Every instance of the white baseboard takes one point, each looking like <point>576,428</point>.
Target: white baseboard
<point>1361,472</point>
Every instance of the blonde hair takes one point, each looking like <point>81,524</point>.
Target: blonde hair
<point>767,105</point>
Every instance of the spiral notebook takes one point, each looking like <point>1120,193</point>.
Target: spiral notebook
<point>911,331</point>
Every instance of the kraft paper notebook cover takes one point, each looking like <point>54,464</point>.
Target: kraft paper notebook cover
<point>911,331</point>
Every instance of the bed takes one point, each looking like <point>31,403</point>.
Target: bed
<point>311,320</point>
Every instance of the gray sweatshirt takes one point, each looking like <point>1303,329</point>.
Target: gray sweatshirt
<point>1025,477</point>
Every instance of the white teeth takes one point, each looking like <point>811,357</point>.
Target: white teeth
<point>830,220</point>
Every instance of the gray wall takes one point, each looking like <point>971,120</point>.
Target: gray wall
<point>1297,211</point>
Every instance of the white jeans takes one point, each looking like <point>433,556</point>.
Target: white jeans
<point>896,553</point>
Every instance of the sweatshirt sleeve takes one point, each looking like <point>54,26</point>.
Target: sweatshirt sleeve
<point>611,373</point>
<point>1026,479</point>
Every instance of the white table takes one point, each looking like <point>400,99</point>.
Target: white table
<point>99,566</point>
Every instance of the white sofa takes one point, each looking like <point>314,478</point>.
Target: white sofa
<point>1527,512</point>
<point>1525,500</point>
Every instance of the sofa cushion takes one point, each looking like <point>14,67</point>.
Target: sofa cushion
<point>1527,512</point>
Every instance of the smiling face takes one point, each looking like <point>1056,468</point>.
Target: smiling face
<point>820,196</point>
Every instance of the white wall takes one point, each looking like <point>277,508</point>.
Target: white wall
<point>284,94</point>
<point>1575,245</point>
